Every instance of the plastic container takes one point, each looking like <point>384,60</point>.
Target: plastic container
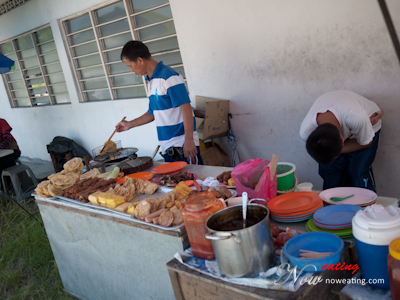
<point>195,214</point>
<point>304,187</point>
<point>285,176</point>
<point>373,229</point>
<point>314,241</point>
<point>394,268</point>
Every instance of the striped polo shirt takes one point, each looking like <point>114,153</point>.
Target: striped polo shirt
<point>167,92</point>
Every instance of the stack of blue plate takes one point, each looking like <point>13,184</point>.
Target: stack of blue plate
<point>335,217</point>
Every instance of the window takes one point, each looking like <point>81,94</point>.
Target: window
<point>37,78</point>
<point>95,39</point>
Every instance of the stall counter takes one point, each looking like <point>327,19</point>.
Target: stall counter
<point>101,255</point>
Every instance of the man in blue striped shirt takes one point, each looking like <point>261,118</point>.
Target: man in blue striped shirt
<point>169,105</point>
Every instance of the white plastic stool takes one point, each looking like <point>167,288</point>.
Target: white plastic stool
<point>18,183</point>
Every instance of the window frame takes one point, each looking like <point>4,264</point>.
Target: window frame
<point>95,26</point>
<point>19,60</point>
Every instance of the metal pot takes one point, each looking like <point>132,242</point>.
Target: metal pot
<point>242,252</point>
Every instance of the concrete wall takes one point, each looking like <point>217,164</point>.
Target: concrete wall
<point>270,58</point>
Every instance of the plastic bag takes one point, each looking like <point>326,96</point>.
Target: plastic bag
<point>257,177</point>
<point>284,236</point>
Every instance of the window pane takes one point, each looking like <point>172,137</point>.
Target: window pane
<point>82,37</point>
<point>114,55</point>
<point>14,76</point>
<point>156,31</point>
<point>56,78</point>
<point>86,49</point>
<point>181,71</point>
<point>53,68</point>
<point>95,84</point>
<point>34,82</point>
<point>163,45</point>
<point>89,61</point>
<point>6,48</point>
<point>117,41</point>
<point>49,58</point>
<point>17,85</point>
<point>130,79</point>
<point>24,42</point>
<point>27,53</point>
<point>48,47</point>
<point>154,16</point>
<point>41,100</point>
<point>139,5</point>
<point>79,23</point>
<point>119,68</point>
<point>44,35</point>
<point>32,73</point>
<point>59,88</point>
<point>21,94</point>
<point>30,63</point>
<point>170,58</point>
<point>111,12</point>
<point>38,91</point>
<point>98,95</point>
<point>115,27</point>
<point>92,72</point>
<point>62,98</point>
<point>24,102</point>
<point>132,92</point>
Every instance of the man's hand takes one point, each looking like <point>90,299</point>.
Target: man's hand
<point>122,126</point>
<point>189,150</point>
<point>376,117</point>
<point>143,119</point>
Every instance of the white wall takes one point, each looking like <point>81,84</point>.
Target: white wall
<point>270,58</point>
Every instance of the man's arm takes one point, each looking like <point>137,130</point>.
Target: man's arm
<point>376,117</point>
<point>189,147</point>
<point>352,145</point>
<point>143,119</point>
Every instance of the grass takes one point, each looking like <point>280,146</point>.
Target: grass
<point>27,266</point>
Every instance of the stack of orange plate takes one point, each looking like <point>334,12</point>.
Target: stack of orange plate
<point>294,207</point>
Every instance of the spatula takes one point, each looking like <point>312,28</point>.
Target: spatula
<point>110,144</point>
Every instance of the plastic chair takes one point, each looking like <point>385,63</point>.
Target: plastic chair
<point>22,179</point>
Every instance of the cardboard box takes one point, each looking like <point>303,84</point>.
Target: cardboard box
<point>211,117</point>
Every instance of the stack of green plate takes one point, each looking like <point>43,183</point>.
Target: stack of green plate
<point>342,233</point>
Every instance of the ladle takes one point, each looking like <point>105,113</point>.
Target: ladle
<point>244,208</point>
<point>340,198</point>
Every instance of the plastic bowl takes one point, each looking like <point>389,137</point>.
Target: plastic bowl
<point>314,241</point>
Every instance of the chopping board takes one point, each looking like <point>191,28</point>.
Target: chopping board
<point>138,164</point>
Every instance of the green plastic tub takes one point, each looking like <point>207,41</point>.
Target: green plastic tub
<point>285,176</point>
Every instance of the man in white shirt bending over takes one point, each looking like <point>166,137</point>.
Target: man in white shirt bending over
<point>341,131</point>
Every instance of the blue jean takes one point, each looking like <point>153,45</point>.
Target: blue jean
<point>200,160</point>
<point>352,169</point>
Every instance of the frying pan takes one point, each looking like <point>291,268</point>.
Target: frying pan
<point>116,156</point>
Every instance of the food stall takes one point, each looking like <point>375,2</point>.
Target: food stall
<point>103,254</point>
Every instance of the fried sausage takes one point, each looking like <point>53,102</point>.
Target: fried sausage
<point>149,218</point>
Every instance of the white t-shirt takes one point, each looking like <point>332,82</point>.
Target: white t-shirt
<point>350,109</point>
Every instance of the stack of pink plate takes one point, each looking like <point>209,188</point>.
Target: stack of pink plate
<point>362,197</point>
<point>294,207</point>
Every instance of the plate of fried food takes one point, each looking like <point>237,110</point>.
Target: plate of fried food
<point>171,180</point>
<point>225,179</point>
